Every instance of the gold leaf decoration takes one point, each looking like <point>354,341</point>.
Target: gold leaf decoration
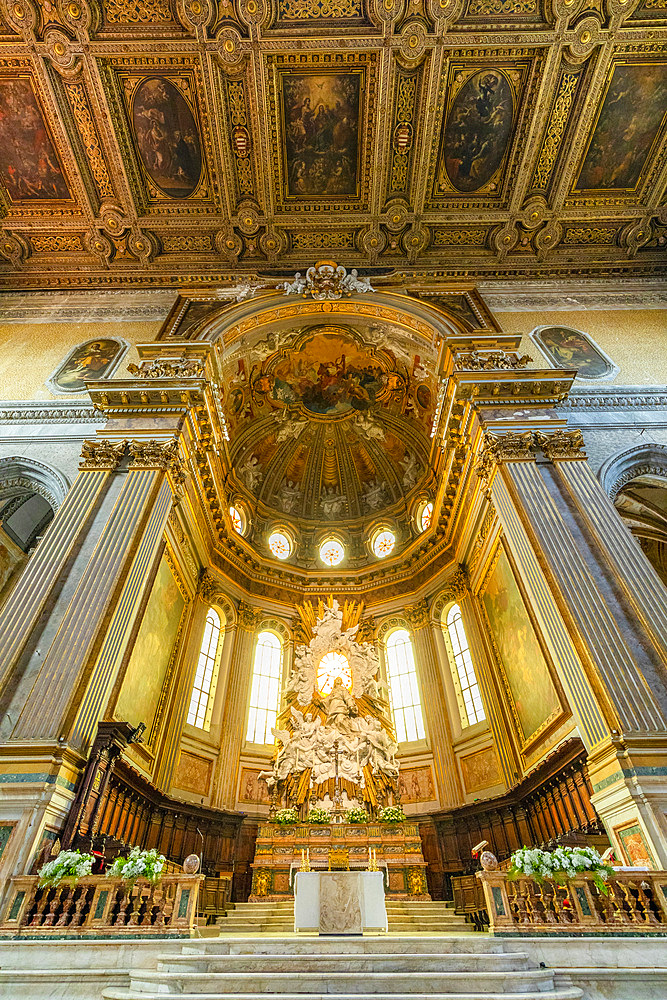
<point>306,10</point>
<point>555,129</point>
<point>76,96</point>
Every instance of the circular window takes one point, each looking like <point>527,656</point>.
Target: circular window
<point>426,516</point>
<point>332,551</point>
<point>383,543</point>
<point>332,666</point>
<point>280,545</point>
<point>238,520</point>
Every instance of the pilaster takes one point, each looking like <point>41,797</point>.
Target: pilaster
<point>611,679</point>
<point>435,704</point>
<point>235,710</point>
<point>79,668</point>
<point>26,602</point>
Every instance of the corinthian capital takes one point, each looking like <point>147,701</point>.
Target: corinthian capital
<point>208,589</point>
<point>561,445</point>
<point>247,616</point>
<point>101,454</point>
<point>417,614</point>
<point>153,454</point>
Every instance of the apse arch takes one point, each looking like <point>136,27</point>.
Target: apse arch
<point>19,475</point>
<point>620,469</point>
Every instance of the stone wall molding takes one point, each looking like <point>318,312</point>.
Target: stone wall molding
<point>644,460</point>
<point>20,475</point>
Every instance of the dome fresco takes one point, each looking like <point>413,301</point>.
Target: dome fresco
<point>328,428</point>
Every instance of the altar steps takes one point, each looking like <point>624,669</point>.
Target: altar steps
<point>472,968</point>
<point>404,917</point>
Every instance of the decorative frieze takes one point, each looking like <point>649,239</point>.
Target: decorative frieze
<point>101,454</point>
<point>482,361</point>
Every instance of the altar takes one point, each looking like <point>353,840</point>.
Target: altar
<point>339,902</point>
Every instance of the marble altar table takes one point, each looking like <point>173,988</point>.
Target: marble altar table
<point>339,902</point>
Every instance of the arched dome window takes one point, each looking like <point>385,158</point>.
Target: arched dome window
<point>203,690</point>
<point>403,687</point>
<point>465,679</point>
<point>265,688</point>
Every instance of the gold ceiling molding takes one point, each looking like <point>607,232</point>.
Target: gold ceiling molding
<point>266,132</point>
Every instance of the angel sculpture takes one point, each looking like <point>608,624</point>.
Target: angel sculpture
<point>302,678</point>
<point>353,283</point>
<point>383,753</point>
<point>296,287</point>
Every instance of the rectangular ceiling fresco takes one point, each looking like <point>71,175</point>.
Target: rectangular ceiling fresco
<point>30,166</point>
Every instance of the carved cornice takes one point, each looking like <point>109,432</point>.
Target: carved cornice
<point>561,445</point>
<point>50,413</point>
<point>101,454</point>
<point>615,397</point>
<point>169,368</point>
<point>483,361</point>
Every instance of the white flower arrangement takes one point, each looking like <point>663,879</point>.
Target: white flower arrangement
<point>68,864</point>
<point>318,815</point>
<point>356,815</point>
<point>391,814</point>
<point>286,817</point>
<point>560,865</point>
<point>138,864</point>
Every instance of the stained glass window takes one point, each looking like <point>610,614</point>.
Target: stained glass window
<point>426,516</point>
<point>265,689</point>
<point>202,690</point>
<point>465,672</point>
<point>237,519</point>
<point>403,687</point>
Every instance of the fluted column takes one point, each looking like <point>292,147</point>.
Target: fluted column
<point>25,604</point>
<point>80,666</point>
<point>622,553</point>
<point>435,704</point>
<point>611,672</point>
<point>235,711</point>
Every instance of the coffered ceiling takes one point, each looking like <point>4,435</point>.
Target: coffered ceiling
<point>178,142</point>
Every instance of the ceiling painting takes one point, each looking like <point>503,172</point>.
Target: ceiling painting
<point>196,144</point>
<point>30,167</point>
<point>327,426</point>
<point>632,114</point>
<point>167,137</point>
<point>320,118</point>
<point>481,112</point>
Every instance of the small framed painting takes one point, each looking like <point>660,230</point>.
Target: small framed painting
<point>92,359</point>
<point>564,347</point>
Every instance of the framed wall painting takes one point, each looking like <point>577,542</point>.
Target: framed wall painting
<point>564,347</point>
<point>92,359</point>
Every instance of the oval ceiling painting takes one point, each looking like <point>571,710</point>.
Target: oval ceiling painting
<point>167,137</point>
<point>478,129</point>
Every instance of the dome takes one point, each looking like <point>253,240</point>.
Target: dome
<point>327,428</point>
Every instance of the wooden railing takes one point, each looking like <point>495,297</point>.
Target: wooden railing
<point>101,907</point>
<point>635,903</point>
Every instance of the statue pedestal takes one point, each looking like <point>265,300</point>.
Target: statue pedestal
<point>397,847</point>
<point>339,902</point>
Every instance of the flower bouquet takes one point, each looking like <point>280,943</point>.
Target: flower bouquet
<point>356,815</point>
<point>67,865</point>
<point>138,864</point>
<point>391,814</point>
<point>286,817</point>
<point>318,815</point>
<point>560,865</point>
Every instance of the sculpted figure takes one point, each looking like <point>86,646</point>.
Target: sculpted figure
<point>383,753</point>
<point>296,287</point>
<point>302,680</point>
<point>341,708</point>
<point>304,736</point>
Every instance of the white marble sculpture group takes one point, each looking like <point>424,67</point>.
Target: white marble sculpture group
<point>346,740</point>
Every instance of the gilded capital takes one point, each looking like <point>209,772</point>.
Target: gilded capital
<point>101,454</point>
<point>417,614</point>
<point>169,368</point>
<point>247,616</point>
<point>157,455</point>
<point>208,588</point>
<point>561,445</point>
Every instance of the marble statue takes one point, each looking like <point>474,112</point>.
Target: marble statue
<point>340,707</point>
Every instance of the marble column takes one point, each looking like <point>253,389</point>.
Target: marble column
<point>79,668</point>
<point>623,555</point>
<point>235,711</point>
<point>612,676</point>
<point>435,704</point>
<point>22,610</point>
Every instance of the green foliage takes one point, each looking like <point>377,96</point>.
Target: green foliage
<point>68,864</point>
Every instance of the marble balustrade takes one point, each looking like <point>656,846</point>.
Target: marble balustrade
<point>636,903</point>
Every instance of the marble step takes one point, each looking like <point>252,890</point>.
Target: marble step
<point>405,963</point>
<point>562,993</point>
<point>375,983</point>
<point>301,945</point>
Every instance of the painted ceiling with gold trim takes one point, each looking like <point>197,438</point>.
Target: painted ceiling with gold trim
<point>175,142</point>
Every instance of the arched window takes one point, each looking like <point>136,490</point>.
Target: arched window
<point>265,688</point>
<point>203,690</point>
<point>472,709</point>
<point>403,687</point>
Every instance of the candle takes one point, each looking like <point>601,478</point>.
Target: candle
<point>303,855</point>
<point>370,854</point>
